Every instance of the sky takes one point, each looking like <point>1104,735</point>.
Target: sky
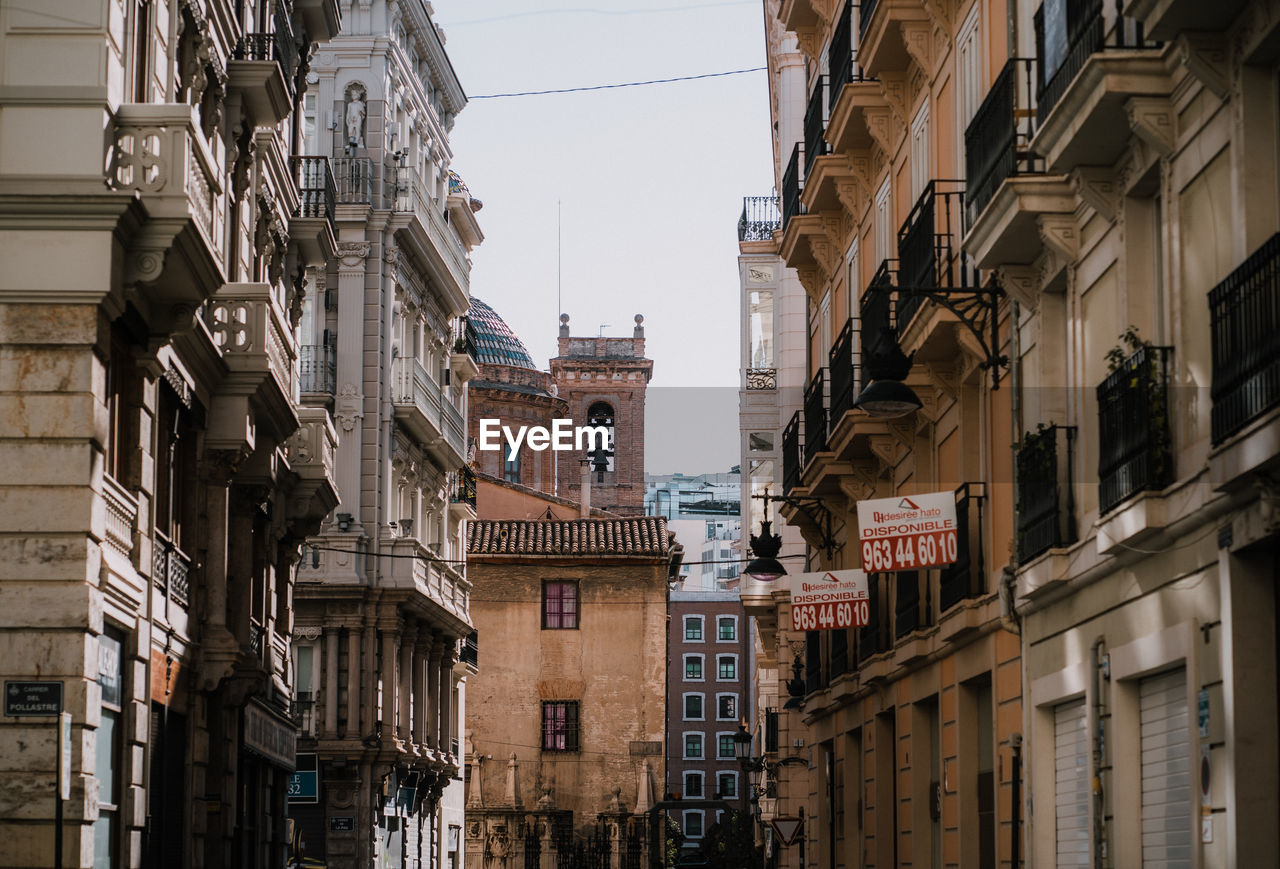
<point>625,200</point>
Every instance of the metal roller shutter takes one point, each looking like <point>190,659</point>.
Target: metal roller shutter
<point>1166,771</point>
<point>1071,783</point>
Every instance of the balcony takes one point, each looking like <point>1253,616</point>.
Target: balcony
<point>317,369</point>
<point>997,140</point>
<point>416,400</point>
<point>1166,19</point>
<point>815,417</point>
<point>892,33</point>
<point>966,577</point>
<point>415,566</point>
<point>1244,312</point>
<point>1135,445</point>
<point>798,15</point>
<point>815,124</point>
<point>910,610</point>
<point>321,18</point>
<point>248,324</point>
<point>463,356</point>
<point>358,181</point>
<point>760,218</point>
<point>876,321</point>
<point>464,490</point>
<point>158,151</point>
<point>258,73</point>
<point>304,714</point>
<point>312,452</point>
<point>1092,63</point>
<point>762,378</point>
<point>845,373</point>
<point>792,182</point>
<point>1046,501</point>
<point>791,454</point>
<point>437,244</point>
<point>171,571</point>
<point>929,249</point>
<point>842,59</point>
<point>471,650</point>
<point>312,224</point>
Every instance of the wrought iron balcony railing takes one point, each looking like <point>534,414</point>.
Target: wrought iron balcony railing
<point>1064,46</point>
<point>791,454</point>
<point>842,58</point>
<point>792,184</point>
<point>815,417</point>
<point>997,140</point>
<point>1244,313</point>
<point>876,322</point>
<point>762,378</point>
<point>317,368</point>
<point>471,649</point>
<point>304,713</point>
<point>255,637</point>
<point>871,637</point>
<point>815,124</point>
<point>759,218</point>
<point>910,611</point>
<point>171,571</point>
<point>929,255</point>
<point>465,493</point>
<point>255,46</point>
<point>864,18</point>
<point>465,337</point>
<point>1046,500</point>
<point>966,577</point>
<point>844,370</point>
<point>1135,445</point>
<point>317,192</point>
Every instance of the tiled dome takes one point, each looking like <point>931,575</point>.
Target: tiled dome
<point>496,344</point>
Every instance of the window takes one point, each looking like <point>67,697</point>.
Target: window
<point>969,77</point>
<point>886,236</point>
<point>112,774</point>
<point>511,465</point>
<point>693,823</point>
<point>760,329</point>
<point>600,415</point>
<point>727,629</point>
<point>727,707</point>
<point>304,687</point>
<point>760,441</point>
<point>693,746</point>
<point>726,668</point>
<point>693,629</point>
<point>727,785</point>
<point>559,725</point>
<point>921,170</point>
<point>724,746</point>
<point>693,707</point>
<point>559,605</point>
<point>693,785</point>
<point>693,668</point>
<point>120,384</point>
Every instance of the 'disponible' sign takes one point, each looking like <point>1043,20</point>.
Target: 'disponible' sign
<point>906,533</point>
<point>830,600</point>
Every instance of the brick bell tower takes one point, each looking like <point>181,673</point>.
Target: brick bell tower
<point>603,380</point>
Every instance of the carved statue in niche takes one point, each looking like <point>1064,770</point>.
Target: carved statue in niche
<point>355,115</point>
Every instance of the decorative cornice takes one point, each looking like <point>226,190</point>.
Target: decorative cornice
<point>1205,57</point>
<point>1154,120</point>
<point>1059,232</point>
<point>1022,283</point>
<point>1096,187</point>
<point>918,38</point>
<point>352,254</point>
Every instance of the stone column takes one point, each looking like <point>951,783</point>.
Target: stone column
<point>355,643</point>
<point>404,726</point>
<point>448,658</point>
<point>331,683</point>
<point>420,648</point>
<point>433,694</point>
<point>390,641</point>
<point>349,398</point>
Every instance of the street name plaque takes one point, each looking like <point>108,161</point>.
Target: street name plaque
<point>32,698</point>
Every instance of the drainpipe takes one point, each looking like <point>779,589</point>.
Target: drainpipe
<point>1098,675</point>
<point>1015,839</point>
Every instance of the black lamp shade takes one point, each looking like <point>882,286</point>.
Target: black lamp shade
<point>887,399</point>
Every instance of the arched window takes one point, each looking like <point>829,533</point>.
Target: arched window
<point>600,414</point>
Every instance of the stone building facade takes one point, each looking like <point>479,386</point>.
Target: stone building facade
<point>911,725</point>
<point>567,720</point>
<point>1146,422</point>
<point>383,597</point>
<point>160,473</point>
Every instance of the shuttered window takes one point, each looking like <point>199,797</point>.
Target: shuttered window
<point>1071,783</point>
<point>1166,778</point>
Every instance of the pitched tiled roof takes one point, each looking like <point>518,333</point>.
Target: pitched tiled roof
<point>640,536</point>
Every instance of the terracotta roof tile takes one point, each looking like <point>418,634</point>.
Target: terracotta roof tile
<point>639,536</point>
